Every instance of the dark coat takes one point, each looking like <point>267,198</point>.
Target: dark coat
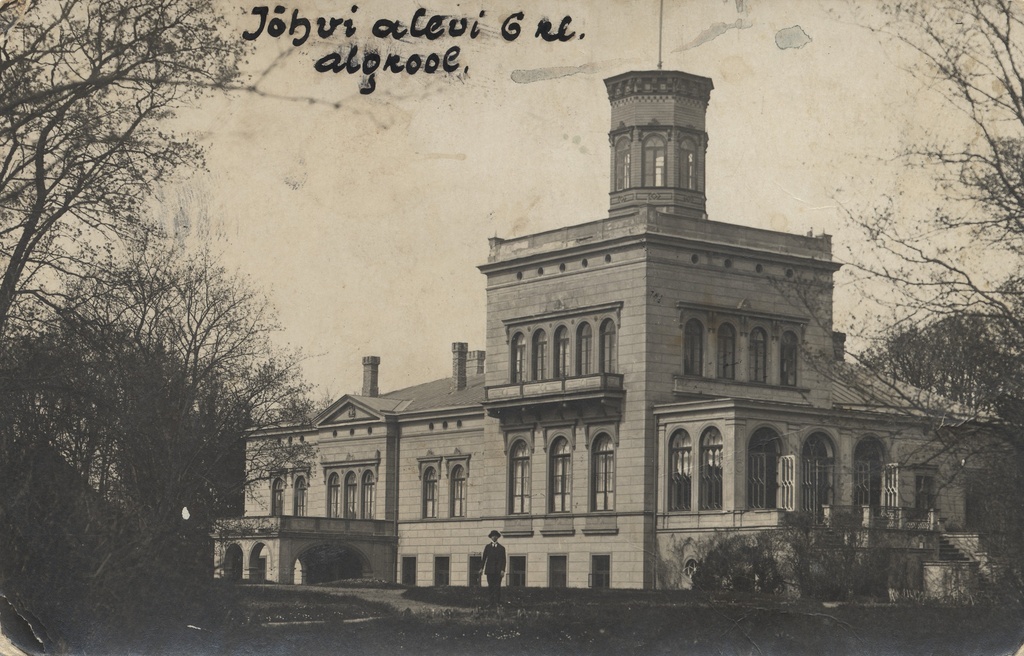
<point>494,559</point>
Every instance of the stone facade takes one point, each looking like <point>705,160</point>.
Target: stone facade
<point>651,378</point>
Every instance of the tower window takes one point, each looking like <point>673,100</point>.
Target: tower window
<point>540,355</point>
<point>787,359</point>
<point>561,361</point>
<point>654,162</point>
<point>727,351</point>
<point>518,358</point>
<point>758,355</point>
<point>584,339</point>
<point>688,165</point>
<point>622,165</point>
<point>693,348</point>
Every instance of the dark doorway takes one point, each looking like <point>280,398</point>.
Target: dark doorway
<point>233,563</point>
<point>330,562</point>
<point>408,570</point>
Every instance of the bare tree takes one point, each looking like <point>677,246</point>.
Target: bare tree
<point>131,409</point>
<point>86,89</point>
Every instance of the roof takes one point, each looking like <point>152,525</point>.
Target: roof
<point>856,387</point>
<point>435,394</point>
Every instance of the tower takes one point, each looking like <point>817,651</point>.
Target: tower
<point>658,141</point>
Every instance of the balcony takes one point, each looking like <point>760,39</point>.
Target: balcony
<point>602,389</point>
<point>913,519</point>
<point>332,527</point>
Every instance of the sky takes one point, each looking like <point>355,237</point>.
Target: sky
<point>364,216</point>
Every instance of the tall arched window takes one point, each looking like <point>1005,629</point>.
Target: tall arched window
<point>763,469</point>
<point>693,348</point>
<point>622,164</point>
<point>369,495</point>
<point>680,457</point>
<point>561,482</point>
<point>519,479</point>
<point>458,492</point>
<point>561,362</point>
<point>300,496</point>
<point>758,356</point>
<point>602,474</point>
<point>711,469</point>
<point>654,162</point>
<point>787,359</point>
<point>584,349</point>
<point>277,498</point>
<point>350,496</point>
<point>688,164</point>
<point>429,493</point>
<point>818,472</point>
<point>868,459</point>
<point>334,496</point>
<point>606,339</point>
<point>517,358</point>
<point>726,351</point>
<point>540,355</point>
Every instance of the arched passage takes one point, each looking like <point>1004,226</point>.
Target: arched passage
<point>330,562</point>
<point>233,563</point>
<point>258,563</point>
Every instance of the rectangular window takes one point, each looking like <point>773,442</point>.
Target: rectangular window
<point>557,568</point>
<point>442,570</point>
<point>601,571</point>
<point>517,571</point>
<point>476,565</point>
<point>924,492</point>
<point>408,570</point>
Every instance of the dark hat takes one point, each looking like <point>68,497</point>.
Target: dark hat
<point>494,534</point>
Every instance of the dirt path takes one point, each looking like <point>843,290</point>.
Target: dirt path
<point>391,597</point>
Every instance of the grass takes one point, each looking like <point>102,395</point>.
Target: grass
<point>244,619</point>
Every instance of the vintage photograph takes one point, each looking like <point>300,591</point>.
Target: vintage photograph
<point>527,327</point>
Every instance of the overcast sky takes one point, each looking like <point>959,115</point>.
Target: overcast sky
<point>365,222</point>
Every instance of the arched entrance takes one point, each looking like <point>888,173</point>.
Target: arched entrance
<point>258,564</point>
<point>330,562</point>
<point>233,563</point>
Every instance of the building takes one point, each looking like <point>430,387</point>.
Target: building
<point>652,378</point>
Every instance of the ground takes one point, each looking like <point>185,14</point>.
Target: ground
<point>378,618</point>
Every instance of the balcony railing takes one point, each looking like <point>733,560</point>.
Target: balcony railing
<point>917,519</point>
<point>574,386</point>
<point>329,526</point>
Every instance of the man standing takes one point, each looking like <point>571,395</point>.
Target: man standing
<point>494,567</point>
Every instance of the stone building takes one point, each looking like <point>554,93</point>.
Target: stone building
<point>652,378</point>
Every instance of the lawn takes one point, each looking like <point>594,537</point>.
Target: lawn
<point>285,620</point>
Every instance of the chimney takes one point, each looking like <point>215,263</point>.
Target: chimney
<point>459,350</point>
<point>475,362</point>
<point>371,363</point>
<point>839,346</point>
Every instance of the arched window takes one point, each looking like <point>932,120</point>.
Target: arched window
<point>517,358</point>
<point>277,498</point>
<point>334,496</point>
<point>693,348</point>
<point>584,348</point>
<point>561,482</point>
<point>763,469</point>
<point>369,495</point>
<point>654,162</point>
<point>711,469</point>
<point>726,351</point>
<point>602,479</point>
<point>429,493</point>
<point>519,479</point>
<point>561,362</point>
<point>868,459</point>
<point>817,474</point>
<point>758,356</point>
<point>787,359</point>
<point>680,457</point>
<point>540,355</point>
<point>606,338</point>
<point>300,496</point>
<point>622,164</point>
<point>458,492</point>
<point>350,496</point>
<point>688,165</point>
